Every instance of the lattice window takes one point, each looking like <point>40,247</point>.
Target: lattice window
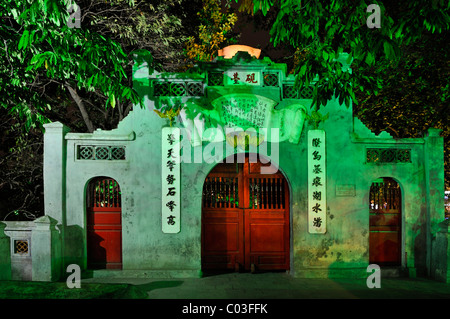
<point>388,155</point>
<point>221,192</point>
<point>104,192</point>
<point>195,88</point>
<point>306,92</point>
<point>289,92</point>
<point>161,89</point>
<point>270,79</point>
<point>266,193</point>
<point>102,153</point>
<point>118,153</point>
<point>21,247</point>
<point>215,79</point>
<point>85,152</point>
<point>110,153</point>
<point>385,195</point>
<point>177,89</point>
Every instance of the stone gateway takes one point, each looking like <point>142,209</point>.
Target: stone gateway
<point>155,198</point>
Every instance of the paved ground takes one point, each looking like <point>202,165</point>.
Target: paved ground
<point>243,295</point>
<point>283,286</point>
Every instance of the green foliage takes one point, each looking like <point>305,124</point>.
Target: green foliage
<point>214,32</point>
<point>322,30</point>
<point>414,95</point>
<point>78,76</point>
<point>315,118</point>
<point>39,44</point>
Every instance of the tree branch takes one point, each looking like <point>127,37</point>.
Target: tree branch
<point>81,107</point>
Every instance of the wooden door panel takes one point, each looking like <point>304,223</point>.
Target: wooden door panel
<point>384,218</point>
<point>104,237</point>
<point>384,248</point>
<point>222,239</point>
<point>267,239</point>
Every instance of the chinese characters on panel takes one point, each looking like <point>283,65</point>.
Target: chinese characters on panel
<point>317,204</point>
<point>243,77</point>
<point>170,147</point>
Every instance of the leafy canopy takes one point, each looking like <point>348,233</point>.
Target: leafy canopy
<point>322,30</point>
<point>37,42</point>
<point>214,30</point>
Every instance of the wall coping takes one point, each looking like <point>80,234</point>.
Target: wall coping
<point>100,136</point>
<point>19,225</point>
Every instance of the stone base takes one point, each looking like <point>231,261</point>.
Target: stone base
<point>352,273</point>
<point>106,273</point>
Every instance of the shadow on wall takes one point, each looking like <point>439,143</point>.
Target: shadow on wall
<point>74,250</point>
<point>96,258</point>
<point>420,248</point>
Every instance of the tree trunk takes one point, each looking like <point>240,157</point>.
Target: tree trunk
<point>81,107</point>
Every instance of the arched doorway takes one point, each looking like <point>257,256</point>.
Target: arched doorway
<point>104,224</point>
<point>245,218</point>
<point>385,222</point>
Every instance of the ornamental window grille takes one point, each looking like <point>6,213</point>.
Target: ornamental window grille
<point>385,195</point>
<point>221,192</point>
<point>21,247</point>
<point>177,89</point>
<point>306,92</point>
<point>270,79</point>
<point>195,88</point>
<point>267,193</point>
<point>161,89</point>
<point>289,92</point>
<point>103,152</point>
<point>388,155</point>
<point>104,192</point>
<point>215,78</point>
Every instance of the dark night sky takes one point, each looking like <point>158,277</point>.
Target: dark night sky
<point>254,32</point>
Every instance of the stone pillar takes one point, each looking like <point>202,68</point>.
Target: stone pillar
<point>55,149</point>
<point>5,254</point>
<point>434,187</point>
<point>46,250</point>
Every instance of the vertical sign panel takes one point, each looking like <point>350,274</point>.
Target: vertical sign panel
<point>170,147</point>
<point>317,196</point>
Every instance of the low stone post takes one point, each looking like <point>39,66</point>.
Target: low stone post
<point>46,250</point>
<point>5,254</point>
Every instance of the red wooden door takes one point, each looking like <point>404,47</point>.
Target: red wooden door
<point>104,225</point>
<point>245,219</point>
<point>385,223</point>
